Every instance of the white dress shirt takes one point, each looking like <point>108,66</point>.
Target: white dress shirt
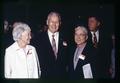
<point>56,37</point>
<point>21,63</point>
<point>97,35</point>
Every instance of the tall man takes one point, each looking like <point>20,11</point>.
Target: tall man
<point>52,49</point>
<point>102,42</point>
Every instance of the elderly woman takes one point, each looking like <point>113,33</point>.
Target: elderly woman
<point>21,60</point>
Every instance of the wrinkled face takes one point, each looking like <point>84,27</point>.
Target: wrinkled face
<point>25,37</point>
<point>80,37</point>
<point>53,23</point>
<point>93,24</point>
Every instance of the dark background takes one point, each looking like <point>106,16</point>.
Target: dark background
<point>72,13</point>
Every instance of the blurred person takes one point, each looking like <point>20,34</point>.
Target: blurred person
<point>101,41</point>
<point>7,37</point>
<point>112,70</point>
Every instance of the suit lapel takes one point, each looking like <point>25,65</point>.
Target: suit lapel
<point>48,44</point>
<point>85,50</point>
<point>90,37</point>
<point>60,45</point>
<point>60,41</point>
<point>100,37</point>
<point>82,62</point>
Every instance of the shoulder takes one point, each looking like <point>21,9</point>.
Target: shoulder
<point>38,38</point>
<point>63,37</point>
<point>11,47</point>
<point>41,33</point>
<point>10,51</point>
<point>31,47</point>
<point>89,47</point>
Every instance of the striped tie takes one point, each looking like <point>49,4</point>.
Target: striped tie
<point>95,40</point>
<point>54,45</point>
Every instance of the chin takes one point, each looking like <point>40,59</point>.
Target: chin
<point>91,29</point>
<point>81,43</point>
<point>78,43</point>
<point>28,42</point>
<point>54,31</point>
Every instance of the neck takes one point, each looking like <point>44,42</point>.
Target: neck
<point>52,31</point>
<point>81,45</point>
<point>94,30</point>
<point>21,44</point>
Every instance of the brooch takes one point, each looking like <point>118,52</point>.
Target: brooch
<point>64,43</point>
<point>29,52</point>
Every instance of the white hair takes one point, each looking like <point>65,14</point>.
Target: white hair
<point>81,28</point>
<point>54,14</point>
<point>18,29</point>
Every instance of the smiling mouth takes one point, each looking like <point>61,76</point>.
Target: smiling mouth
<point>54,28</point>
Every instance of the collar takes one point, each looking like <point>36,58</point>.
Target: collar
<point>50,33</point>
<point>95,32</point>
<point>16,46</point>
<point>27,48</point>
<point>81,46</point>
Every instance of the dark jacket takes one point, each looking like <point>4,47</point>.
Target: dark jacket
<point>103,53</point>
<point>51,67</point>
<point>88,51</point>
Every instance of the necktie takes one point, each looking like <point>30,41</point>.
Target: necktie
<point>54,45</point>
<point>95,40</point>
<point>76,57</point>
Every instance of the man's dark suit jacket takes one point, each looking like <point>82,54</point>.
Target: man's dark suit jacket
<point>103,53</point>
<point>51,67</point>
<point>88,51</point>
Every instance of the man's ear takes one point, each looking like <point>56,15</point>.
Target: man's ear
<point>86,37</point>
<point>47,22</point>
<point>98,24</point>
<point>59,22</point>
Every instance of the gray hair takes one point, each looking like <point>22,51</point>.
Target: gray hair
<point>81,28</point>
<point>54,14</point>
<point>18,29</point>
